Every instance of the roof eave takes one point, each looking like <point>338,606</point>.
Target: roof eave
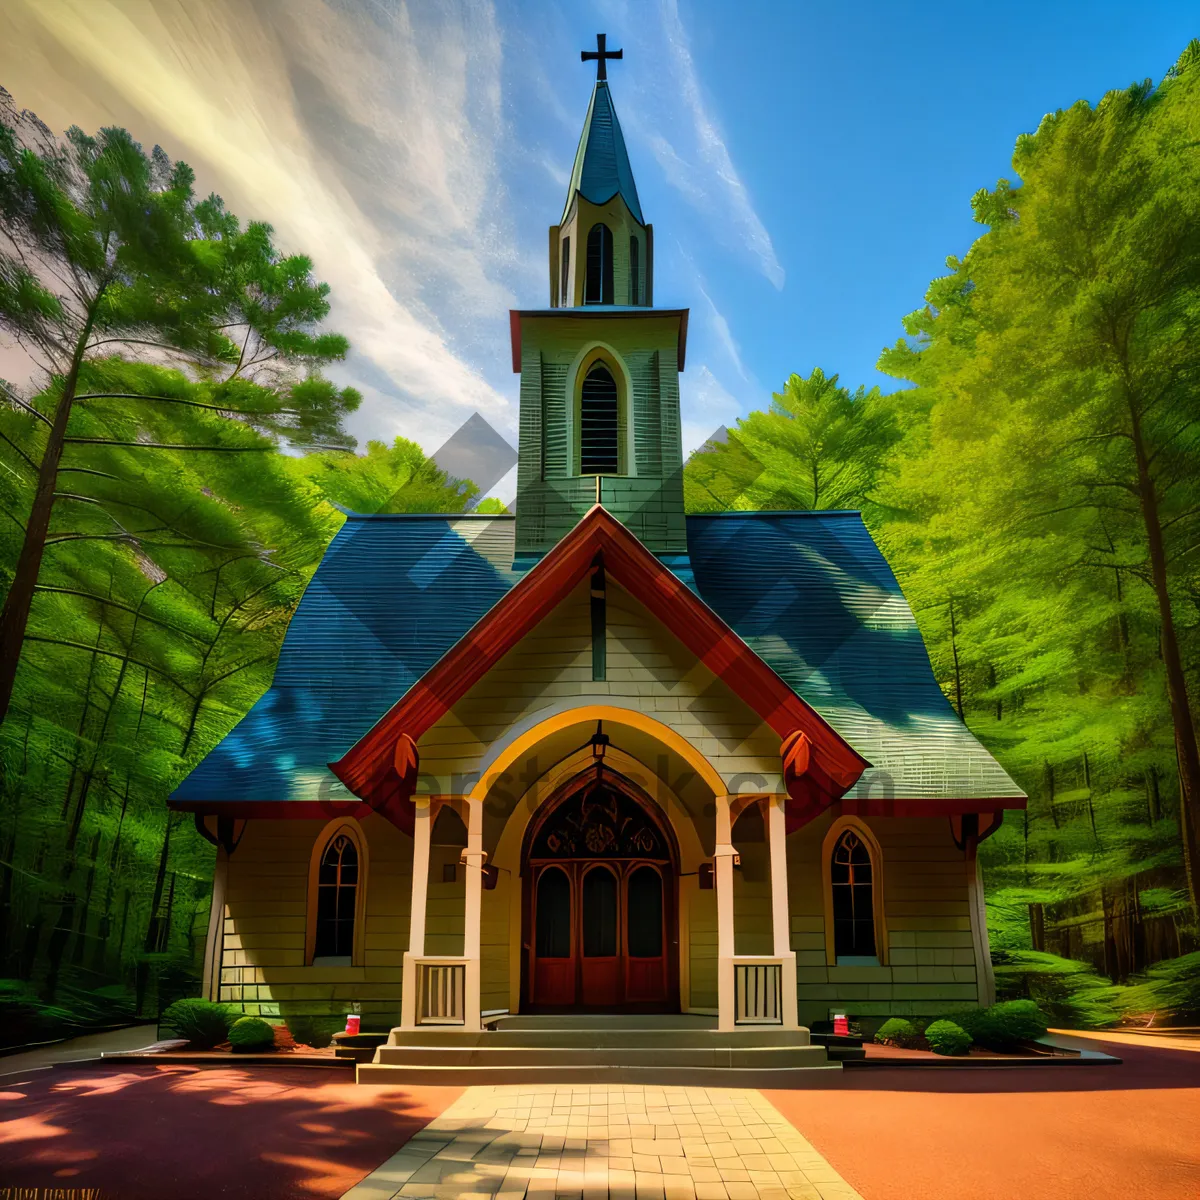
<point>593,313</point>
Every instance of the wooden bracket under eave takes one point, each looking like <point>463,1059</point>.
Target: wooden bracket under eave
<point>397,803</point>
<point>811,790</point>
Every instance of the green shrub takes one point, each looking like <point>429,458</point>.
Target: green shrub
<point>898,1032</point>
<point>315,1031</point>
<point>1004,1025</point>
<point>202,1022</point>
<point>944,1037</point>
<point>251,1033</point>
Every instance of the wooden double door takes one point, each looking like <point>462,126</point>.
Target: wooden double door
<point>600,933</point>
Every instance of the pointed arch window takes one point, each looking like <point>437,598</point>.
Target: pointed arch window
<point>853,905</point>
<point>336,897</point>
<point>564,298</point>
<point>598,283</point>
<point>599,423</point>
<point>634,272</point>
<point>855,934</point>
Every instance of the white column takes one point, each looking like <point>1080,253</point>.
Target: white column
<point>723,853</point>
<point>474,902</point>
<point>416,919</point>
<point>780,920</point>
<point>979,935</point>
<point>215,944</point>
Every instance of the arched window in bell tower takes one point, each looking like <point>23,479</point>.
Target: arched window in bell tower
<point>598,283</point>
<point>634,280</point>
<point>599,423</point>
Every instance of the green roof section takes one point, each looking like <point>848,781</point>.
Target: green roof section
<point>602,169</point>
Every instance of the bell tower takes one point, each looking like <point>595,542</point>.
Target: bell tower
<point>600,366</point>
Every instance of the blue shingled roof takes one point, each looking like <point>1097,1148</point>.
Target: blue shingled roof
<point>602,168</point>
<point>809,592</point>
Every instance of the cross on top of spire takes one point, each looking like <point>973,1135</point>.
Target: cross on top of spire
<point>601,54</point>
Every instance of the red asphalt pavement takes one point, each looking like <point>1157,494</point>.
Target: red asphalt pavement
<point>187,1133</point>
<point>1128,1132</point>
<point>276,1133</point>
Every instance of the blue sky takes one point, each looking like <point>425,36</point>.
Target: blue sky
<point>807,167</point>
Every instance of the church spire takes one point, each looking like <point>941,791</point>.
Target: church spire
<point>602,169</point>
<point>601,251</point>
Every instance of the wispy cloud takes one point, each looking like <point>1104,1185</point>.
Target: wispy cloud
<point>367,134</point>
<point>691,150</point>
<point>724,336</point>
<point>707,405</point>
<point>717,323</point>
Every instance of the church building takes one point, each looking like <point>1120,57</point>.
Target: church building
<point>599,756</point>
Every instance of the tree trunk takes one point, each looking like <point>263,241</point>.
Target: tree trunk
<point>1186,750</point>
<point>111,885</point>
<point>958,700</point>
<point>85,909</point>
<point>1037,926</point>
<point>1048,787</point>
<point>14,617</point>
<point>1153,802</point>
<point>1087,785</point>
<point>159,880</point>
<point>6,913</point>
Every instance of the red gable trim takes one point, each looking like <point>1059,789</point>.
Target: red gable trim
<point>288,810</point>
<point>369,768</point>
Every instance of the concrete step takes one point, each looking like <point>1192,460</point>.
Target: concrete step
<point>576,1020</point>
<point>411,1075</point>
<point>610,1036</point>
<point>716,1056</point>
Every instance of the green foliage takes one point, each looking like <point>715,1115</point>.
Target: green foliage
<point>1070,993</point>
<point>896,1031</point>
<point>1036,489</point>
<point>314,1031</point>
<point>26,1018</point>
<point>179,543</point>
<point>1169,991</point>
<point>819,446</point>
<point>1004,1025</point>
<point>387,479</point>
<point>1057,364</point>
<point>248,1034</point>
<point>204,1023</point>
<point>945,1037</point>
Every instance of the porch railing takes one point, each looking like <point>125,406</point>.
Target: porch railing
<point>758,991</point>
<point>441,991</point>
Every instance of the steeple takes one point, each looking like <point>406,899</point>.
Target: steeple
<point>602,169</point>
<point>602,250</point>
<point>600,367</point>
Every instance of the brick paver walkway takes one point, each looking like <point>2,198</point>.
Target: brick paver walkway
<point>596,1143</point>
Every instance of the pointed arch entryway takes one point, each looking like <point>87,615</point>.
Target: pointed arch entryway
<point>600,876</point>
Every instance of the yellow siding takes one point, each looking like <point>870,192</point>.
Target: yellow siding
<point>266,908</point>
<point>493,943</point>
<point>702,947</point>
<point>931,966</point>
<point>647,668</point>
